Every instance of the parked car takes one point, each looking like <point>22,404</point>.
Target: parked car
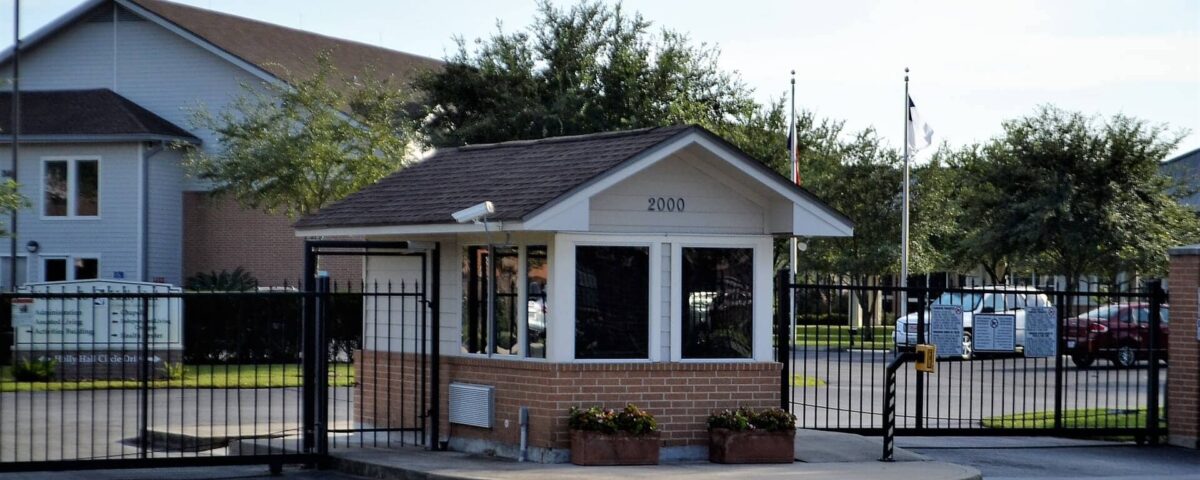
<point>1119,333</point>
<point>975,300</point>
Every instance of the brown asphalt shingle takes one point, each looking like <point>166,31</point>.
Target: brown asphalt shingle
<point>285,52</point>
<point>518,177</point>
<point>85,112</point>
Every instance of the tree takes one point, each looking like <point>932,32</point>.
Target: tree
<point>590,68</point>
<point>294,148</point>
<point>1082,196</point>
<point>11,200</point>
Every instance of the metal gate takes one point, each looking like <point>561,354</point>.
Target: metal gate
<point>1106,379</point>
<point>121,375</point>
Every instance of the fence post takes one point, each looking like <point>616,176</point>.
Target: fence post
<point>783,346</point>
<point>920,403</point>
<point>321,361</point>
<point>1157,298</point>
<point>1061,302</point>
<point>308,348</point>
<point>144,433</point>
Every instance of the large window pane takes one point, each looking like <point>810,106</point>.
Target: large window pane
<point>718,317</point>
<point>54,202</point>
<point>506,301</point>
<point>87,269</point>
<point>5,266</point>
<point>537,273</point>
<point>55,270</point>
<point>612,302</point>
<point>87,188</point>
<point>474,327</point>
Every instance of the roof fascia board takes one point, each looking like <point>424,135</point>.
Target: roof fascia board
<point>496,226</point>
<point>116,138</point>
<point>201,42</point>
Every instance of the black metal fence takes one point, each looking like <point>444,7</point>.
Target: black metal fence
<point>141,377</point>
<point>1104,378</point>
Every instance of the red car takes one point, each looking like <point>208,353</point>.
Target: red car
<point>1119,333</point>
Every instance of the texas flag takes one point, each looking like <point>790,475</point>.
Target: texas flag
<point>920,134</point>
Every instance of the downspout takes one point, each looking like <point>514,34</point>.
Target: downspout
<point>144,207</point>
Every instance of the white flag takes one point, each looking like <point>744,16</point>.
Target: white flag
<point>920,134</point>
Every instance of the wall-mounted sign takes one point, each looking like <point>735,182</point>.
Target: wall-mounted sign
<point>1041,332</point>
<point>105,316</point>
<point>946,329</point>
<point>995,333</point>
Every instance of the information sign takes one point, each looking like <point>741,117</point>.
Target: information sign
<point>995,333</point>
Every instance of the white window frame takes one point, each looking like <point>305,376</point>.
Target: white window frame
<point>561,341</point>
<point>762,303</point>
<point>522,301</point>
<point>72,193</point>
<point>70,258</point>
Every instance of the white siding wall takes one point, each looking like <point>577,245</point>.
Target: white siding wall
<point>113,236</point>
<point>165,217</point>
<point>143,62</point>
<point>710,205</point>
<point>390,322</point>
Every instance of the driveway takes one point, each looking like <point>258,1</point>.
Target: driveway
<point>1043,458</point>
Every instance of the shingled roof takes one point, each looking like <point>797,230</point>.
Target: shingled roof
<point>286,52</point>
<point>280,52</point>
<point>85,114</point>
<point>518,177</point>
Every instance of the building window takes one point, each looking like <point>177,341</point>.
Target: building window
<point>480,334</point>
<point>536,274</point>
<point>61,269</point>
<point>71,188</point>
<point>717,286</point>
<point>612,302</point>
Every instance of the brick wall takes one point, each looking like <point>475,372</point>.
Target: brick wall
<point>218,234</point>
<point>679,395</point>
<point>1183,375</point>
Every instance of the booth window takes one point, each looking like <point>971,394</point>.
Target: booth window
<point>499,335</point>
<point>612,302</point>
<point>536,275</point>
<point>717,302</point>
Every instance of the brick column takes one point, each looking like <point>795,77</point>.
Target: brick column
<point>1183,374</point>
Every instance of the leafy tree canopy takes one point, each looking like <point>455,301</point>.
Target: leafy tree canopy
<point>294,148</point>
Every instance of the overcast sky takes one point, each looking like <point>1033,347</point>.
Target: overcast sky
<point>974,63</point>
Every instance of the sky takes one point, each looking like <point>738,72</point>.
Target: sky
<point>973,64</point>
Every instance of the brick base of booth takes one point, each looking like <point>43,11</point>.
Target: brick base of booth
<point>679,395</point>
<point>1183,375</point>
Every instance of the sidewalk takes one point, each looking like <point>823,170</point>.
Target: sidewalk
<point>824,455</point>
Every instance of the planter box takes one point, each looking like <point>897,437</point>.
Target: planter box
<point>595,448</point>
<point>751,446</point>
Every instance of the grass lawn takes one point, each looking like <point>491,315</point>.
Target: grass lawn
<point>803,381</point>
<point>1082,418</point>
<point>839,336</point>
<point>194,376</point>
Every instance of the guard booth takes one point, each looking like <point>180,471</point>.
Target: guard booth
<point>613,268</point>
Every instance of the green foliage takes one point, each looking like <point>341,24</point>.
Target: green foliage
<point>1079,196</point>
<point>297,147</point>
<point>770,419</point>
<point>42,370</point>
<point>589,68</point>
<point>11,199</point>
<point>174,371</point>
<point>239,280</point>
<point>631,419</point>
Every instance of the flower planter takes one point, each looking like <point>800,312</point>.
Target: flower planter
<point>751,446</point>
<point>595,448</point>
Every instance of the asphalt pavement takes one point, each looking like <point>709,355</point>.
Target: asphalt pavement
<point>1044,458</point>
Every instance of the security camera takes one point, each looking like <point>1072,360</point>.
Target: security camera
<point>474,213</point>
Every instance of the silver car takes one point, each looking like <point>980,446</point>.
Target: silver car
<point>975,300</point>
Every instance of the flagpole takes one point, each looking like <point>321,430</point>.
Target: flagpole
<point>904,219</point>
<point>792,244</point>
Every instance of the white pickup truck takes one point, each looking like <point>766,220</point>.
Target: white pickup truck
<point>975,300</point>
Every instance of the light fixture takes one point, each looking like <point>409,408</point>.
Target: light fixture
<point>32,246</point>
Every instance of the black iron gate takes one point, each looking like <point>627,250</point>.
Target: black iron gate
<point>121,375</point>
<point>1106,379</point>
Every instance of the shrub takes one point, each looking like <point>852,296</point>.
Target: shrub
<point>632,420</point>
<point>239,280</point>
<point>174,371</point>
<point>34,370</point>
<point>742,419</point>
